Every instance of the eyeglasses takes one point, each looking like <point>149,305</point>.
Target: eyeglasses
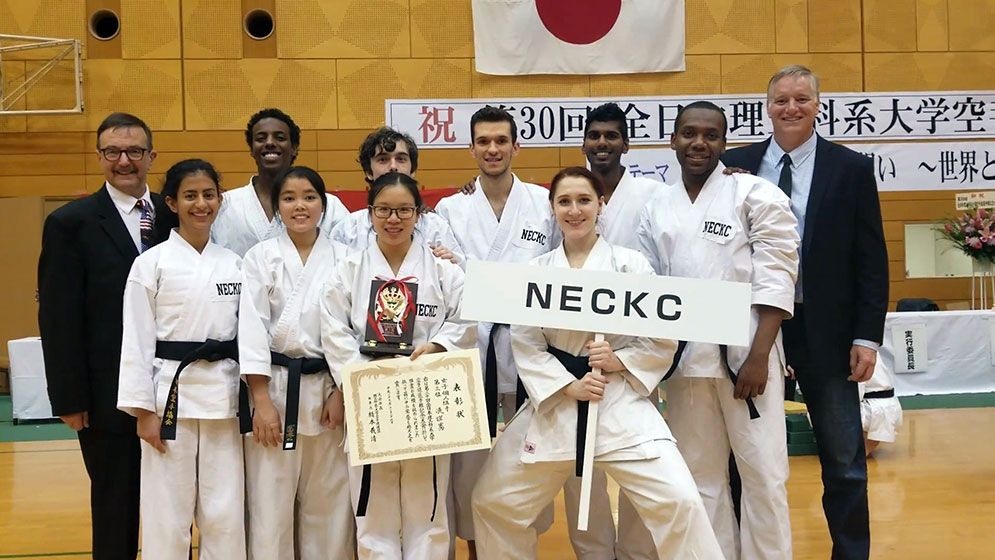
<point>384,212</point>
<point>113,154</point>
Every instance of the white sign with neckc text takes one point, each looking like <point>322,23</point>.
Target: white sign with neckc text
<point>599,301</point>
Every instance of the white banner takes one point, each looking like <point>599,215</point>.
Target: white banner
<point>908,166</point>
<point>908,342</point>
<point>608,302</point>
<point>870,116</point>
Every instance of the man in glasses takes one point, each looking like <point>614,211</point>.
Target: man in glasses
<point>88,246</point>
<point>386,150</point>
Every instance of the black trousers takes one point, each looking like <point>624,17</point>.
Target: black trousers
<point>114,463</point>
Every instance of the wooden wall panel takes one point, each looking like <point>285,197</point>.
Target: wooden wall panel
<point>184,66</point>
<point>20,228</point>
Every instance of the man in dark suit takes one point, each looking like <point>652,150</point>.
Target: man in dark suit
<point>88,246</point>
<point>842,291</point>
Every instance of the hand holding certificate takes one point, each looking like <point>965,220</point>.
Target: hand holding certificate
<point>403,409</point>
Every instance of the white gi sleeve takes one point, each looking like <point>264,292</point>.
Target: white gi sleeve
<point>646,360</point>
<point>254,339</point>
<point>455,332</point>
<point>541,373</point>
<point>346,231</point>
<point>646,239</point>
<point>136,385</point>
<point>335,212</point>
<point>774,239</point>
<point>338,339</point>
<point>438,232</point>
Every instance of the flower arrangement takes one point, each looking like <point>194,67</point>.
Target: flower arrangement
<point>973,233</point>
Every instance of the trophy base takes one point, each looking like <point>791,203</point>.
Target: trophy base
<point>382,349</point>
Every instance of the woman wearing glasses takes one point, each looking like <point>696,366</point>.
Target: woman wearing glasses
<point>404,501</point>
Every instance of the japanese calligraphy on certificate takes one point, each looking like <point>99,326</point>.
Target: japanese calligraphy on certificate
<point>401,409</point>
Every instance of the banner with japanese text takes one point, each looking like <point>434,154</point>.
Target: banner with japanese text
<point>868,117</point>
<point>898,166</point>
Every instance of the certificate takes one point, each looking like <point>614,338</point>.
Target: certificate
<point>401,409</point>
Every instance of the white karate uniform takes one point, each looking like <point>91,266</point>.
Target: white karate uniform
<point>175,293</point>
<point>739,229</point>
<point>280,311</point>
<point>616,224</point>
<point>881,417</point>
<point>401,500</point>
<point>537,452</point>
<point>618,220</point>
<point>526,230</point>
<point>242,223</point>
<point>356,232</point>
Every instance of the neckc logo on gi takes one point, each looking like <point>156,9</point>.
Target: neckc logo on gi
<point>533,235</point>
<point>228,288</point>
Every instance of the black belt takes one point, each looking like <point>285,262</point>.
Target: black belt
<point>578,366</point>
<point>491,384</point>
<point>724,352</point>
<point>296,367</point>
<point>187,353</point>
<point>885,394</point>
<point>364,490</point>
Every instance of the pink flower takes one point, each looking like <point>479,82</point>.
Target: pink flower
<point>968,229</point>
<point>974,242</point>
<point>991,241</point>
<point>949,228</point>
<point>982,213</point>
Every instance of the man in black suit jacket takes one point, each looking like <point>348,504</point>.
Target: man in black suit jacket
<point>88,246</point>
<point>842,292</point>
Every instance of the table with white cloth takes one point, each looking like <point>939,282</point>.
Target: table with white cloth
<point>28,387</point>
<point>958,349</point>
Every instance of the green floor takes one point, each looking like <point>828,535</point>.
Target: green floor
<point>52,431</point>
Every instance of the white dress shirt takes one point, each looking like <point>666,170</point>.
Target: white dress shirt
<point>130,213</point>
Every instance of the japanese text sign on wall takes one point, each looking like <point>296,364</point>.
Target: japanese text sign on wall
<point>866,116</point>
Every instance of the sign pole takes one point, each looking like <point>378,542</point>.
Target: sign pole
<point>588,465</point>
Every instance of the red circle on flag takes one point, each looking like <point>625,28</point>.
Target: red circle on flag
<point>579,22</point>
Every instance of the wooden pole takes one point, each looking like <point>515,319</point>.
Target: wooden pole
<point>584,509</point>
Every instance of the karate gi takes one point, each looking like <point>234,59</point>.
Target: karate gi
<point>242,223</point>
<point>537,452</point>
<point>174,293</point>
<point>280,311</point>
<point>880,410</point>
<point>356,232</point>
<point>617,222</point>
<point>740,229</point>
<point>401,497</point>
<point>526,230</point>
<point>616,225</point>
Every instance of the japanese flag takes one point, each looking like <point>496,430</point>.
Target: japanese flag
<point>578,36</point>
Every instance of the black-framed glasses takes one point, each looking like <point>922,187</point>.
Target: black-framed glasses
<point>384,212</point>
<point>134,153</point>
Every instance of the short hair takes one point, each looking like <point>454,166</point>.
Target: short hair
<point>390,180</point>
<point>707,105</point>
<point>609,112</point>
<point>596,183</point>
<point>187,168</point>
<point>386,138</point>
<point>493,114</point>
<point>793,71</point>
<point>123,120</point>
<point>297,172</point>
<point>295,131</point>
